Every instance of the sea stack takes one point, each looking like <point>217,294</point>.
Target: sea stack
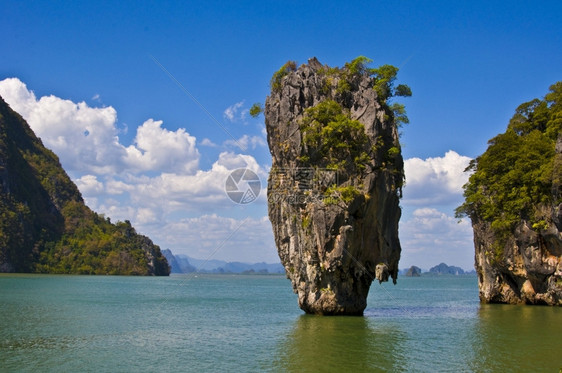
<point>335,182</point>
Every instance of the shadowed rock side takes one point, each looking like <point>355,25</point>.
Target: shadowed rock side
<point>334,186</point>
<point>529,269</point>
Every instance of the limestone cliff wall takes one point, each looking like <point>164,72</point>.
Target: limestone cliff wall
<point>335,227</point>
<point>528,268</point>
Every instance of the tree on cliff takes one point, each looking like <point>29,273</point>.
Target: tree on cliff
<point>519,171</point>
<point>514,201</point>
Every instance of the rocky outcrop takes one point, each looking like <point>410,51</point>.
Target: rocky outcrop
<point>528,268</point>
<point>334,185</point>
<point>413,271</point>
<point>444,269</point>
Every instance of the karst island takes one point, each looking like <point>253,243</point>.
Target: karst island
<point>336,179</point>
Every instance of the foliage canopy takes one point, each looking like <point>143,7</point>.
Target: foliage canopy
<point>520,171</point>
<point>329,131</point>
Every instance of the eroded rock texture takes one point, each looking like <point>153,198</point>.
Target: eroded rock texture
<point>334,189</point>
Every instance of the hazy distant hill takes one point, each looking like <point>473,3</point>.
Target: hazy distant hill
<point>186,264</point>
<point>440,269</point>
<point>444,269</point>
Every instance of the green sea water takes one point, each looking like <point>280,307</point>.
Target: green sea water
<point>236,323</point>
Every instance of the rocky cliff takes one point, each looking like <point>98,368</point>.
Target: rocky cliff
<point>45,225</point>
<point>514,199</point>
<point>528,268</point>
<point>335,181</point>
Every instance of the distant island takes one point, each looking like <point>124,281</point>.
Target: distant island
<point>45,226</point>
<point>185,264</point>
<point>438,270</point>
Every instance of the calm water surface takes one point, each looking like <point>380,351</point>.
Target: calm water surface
<point>253,324</point>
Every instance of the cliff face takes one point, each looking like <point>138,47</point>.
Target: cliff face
<point>514,199</point>
<point>529,269</point>
<point>45,225</point>
<point>334,186</point>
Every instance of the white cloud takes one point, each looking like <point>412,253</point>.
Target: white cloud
<point>436,180</point>
<point>427,234</point>
<point>231,112</point>
<point>170,192</point>
<point>86,138</point>
<point>217,237</point>
<point>89,185</point>
<point>207,142</point>
<point>431,236</point>
<point>156,148</point>
<point>116,187</point>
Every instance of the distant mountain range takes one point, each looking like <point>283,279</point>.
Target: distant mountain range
<point>185,264</point>
<point>440,269</point>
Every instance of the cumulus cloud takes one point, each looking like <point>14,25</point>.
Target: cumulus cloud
<point>89,185</point>
<point>431,236</point>
<point>436,180</point>
<point>201,191</point>
<point>86,138</point>
<point>155,182</point>
<point>156,148</point>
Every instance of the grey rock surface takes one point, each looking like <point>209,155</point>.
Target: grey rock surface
<point>336,230</point>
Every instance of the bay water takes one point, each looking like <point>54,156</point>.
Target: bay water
<point>252,323</point>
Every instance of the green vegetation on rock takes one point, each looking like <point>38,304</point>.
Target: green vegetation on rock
<point>520,171</point>
<point>275,82</point>
<point>346,194</point>
<point>256,110</point>
<point>331,135</point>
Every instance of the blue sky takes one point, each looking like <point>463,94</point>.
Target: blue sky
<point>140,148</point>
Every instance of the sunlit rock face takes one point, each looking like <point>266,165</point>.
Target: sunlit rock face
<point>334,186</point>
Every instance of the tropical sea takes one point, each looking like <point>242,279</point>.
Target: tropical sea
<point>252,323</point>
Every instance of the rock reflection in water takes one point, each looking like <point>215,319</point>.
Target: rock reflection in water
<point>336,344</point>
<point>519,338</point>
